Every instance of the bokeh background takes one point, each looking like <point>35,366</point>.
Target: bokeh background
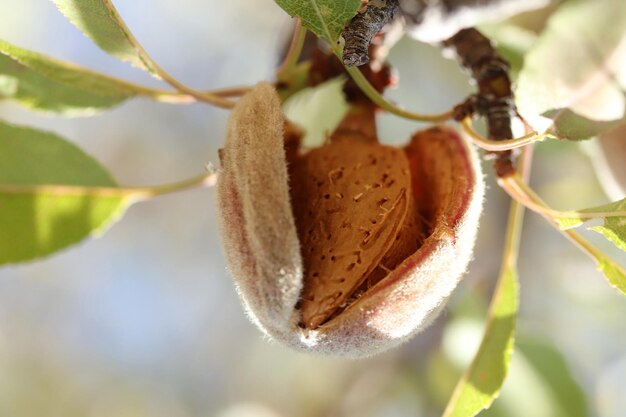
<point>144,320</point>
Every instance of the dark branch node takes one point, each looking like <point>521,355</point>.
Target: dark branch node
<point>363,27</point>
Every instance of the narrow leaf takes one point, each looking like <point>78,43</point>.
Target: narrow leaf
<point>41,82</point>
<point>615,274</point>
<point>52,194</point>
<point>481,383</point>
<point>325,18</point>
<point>572,74</point>
<point>100,22</point>
<point>614,228</point>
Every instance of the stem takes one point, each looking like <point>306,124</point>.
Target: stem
<point>497,348</point>
<point>174,97</point>
<point>205,97</point>
<point>520,191</point>
<point>207,179</point>
<point>516,219</point>
<point>524,194</point>
<point>154,68</point>
<point>384,104</point>
<point>512,239</point>
<point>500,145</point>
<point>134,193</point>
<point>293,54</point>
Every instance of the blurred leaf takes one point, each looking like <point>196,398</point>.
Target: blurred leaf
<point>100,22</point>
<point>548,362</point>
<point>44,83</point>
<point>325,18</point>
<point>482,381</point>
<point>574,73</point>
<point>52,194</point>
<point>318,110</point>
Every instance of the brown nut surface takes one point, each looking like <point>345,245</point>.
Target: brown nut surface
<point>274,241</point>
<point>350,200</point>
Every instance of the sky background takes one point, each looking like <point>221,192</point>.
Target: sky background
<point>144,320</point>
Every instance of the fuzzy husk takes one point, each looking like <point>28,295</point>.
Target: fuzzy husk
<point>262,250</point>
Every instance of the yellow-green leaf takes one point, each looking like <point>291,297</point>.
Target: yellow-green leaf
<point>100,21</point>
<point>325,18</point>
<point>41,82</point>
<point>615,274</point>
<point>614,228</point>
<point>482,381</point>
<point>52,194</point>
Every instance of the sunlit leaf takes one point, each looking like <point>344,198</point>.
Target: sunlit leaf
<point>52,194</point>
<point>100,21</point>
<point>482,381</point>
<point>45,83</point>
<point>614,228</point>
<point>614,273</point>
<point>574,73</point>
<point>325,18</point>
<point>317,110</point>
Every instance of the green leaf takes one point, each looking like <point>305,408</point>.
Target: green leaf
<point>614,228</point>
<point>41,82</point>
<point>52,194</point>
<point>100,21</point>
<point>614,273</point>
<point>482,381</point>
<point>325,18</point>
<point>574,73</point>
<point>317,110</point>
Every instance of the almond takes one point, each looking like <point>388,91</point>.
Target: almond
<point>400,224</point>
<point>350,201</point>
